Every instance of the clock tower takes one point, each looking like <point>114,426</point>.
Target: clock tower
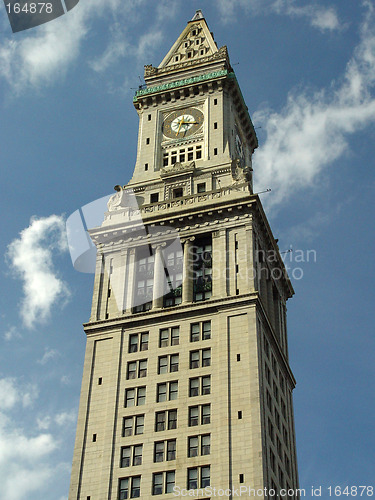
<point>187,387</point>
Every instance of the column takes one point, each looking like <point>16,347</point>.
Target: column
<point>95,308</point>
<point>219,264</point>
<point>187,277</point>
<point>130,281</point>
<point>159,277</point>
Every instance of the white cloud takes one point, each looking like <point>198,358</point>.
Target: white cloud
<point>30,256</point>
<point>66,418</point>
<point>11,394</point>
<point>12,333</point>
<point>27,463</point>
<point>45,53</point>
<point>324,18</point>
<point>311,131</point>
<point>48,354</point>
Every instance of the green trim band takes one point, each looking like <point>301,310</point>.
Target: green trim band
<point>179,83</point>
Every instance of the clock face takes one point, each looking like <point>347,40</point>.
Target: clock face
<point>182,123</point>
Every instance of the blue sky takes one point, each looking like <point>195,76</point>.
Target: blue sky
<point>69,134</point>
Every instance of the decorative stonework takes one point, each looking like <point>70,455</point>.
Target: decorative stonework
<point>180,83</point>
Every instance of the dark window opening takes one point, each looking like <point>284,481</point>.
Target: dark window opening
<point>241,478</point>
<point>100,380</point>
<point>215,125</point>
<point>201,188</point>
<point>240,415</point>
<point>215,102</point>
<point>146,167</point>
<point>94,438</point>
<point>149,118</point>
<point>154,198</point>
<point>178,193</point>
<point>215,151</point>
<point>238,357</point>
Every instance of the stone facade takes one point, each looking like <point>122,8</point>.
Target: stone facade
<point>186,381</point>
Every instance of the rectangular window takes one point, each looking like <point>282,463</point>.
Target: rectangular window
<point>166,391</point>
<point>138,342</point>
<point>135,397</point>
<point>199,445</point>
<point>165,420</point>
<point>190,156</point>
<point>133,425</point>
<point>125,456</point>
<point>148,140</point>
<point>194,359</point>
<point>168,363</point>
<point>171,449</point>
<point>215,151</point>
<point>131,455</point>
<point>215,125</point>
<point>201,188</point>
<point>159,451</point>
<point>130,483</point>
<point>198,477</point>
<point>202,270</point>
<point>198,152</point>
<point>154,197</point>
<point>169,336</point>
<point>172,419</point>
<point>200,414</point>
<point>200,386</point>
<point>163,482</point>
<point>215,102</point>
<point>136,369</point>
<point>165,450</point>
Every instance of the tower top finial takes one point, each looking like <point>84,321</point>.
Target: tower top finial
<point>198,15</point>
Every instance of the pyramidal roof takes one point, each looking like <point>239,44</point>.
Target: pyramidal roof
<point>195,43</point>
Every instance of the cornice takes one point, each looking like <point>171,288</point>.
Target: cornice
<point>180,83</point>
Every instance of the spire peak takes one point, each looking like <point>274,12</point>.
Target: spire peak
<point>198,15</point>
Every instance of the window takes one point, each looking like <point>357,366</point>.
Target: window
<point>239,415</point>
<point>131,455</point>
<point>198,477</point>
<point>202,271</point>
<point>201,188</point>
<point>173,272</point>
<point>166,391</point>
<point>199,445</point>
<point>149,118</point>
<point>138,342</point>
<point>133,425</point>
<point>215,125</point>
<point>130,483</point>
<point>241,478</point>
<point>163,482</point>
<point>135,396</point>
<point>215,151</point>
<point>165,450</point>
<point>148,140</point>
<point>144,281</point>
<point>215,102</point>
<point>165,420</point>
<point>154,197</point>
<point>200,358</point>
<point>200,331</point>
<point>200,414</point>
<point>169,336</point>
<point>177,193</point>
<point>200,386</point>
<point>168,363</point>
<point>100,381</point>
<point>146,167</point>
<point>136,369</point>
